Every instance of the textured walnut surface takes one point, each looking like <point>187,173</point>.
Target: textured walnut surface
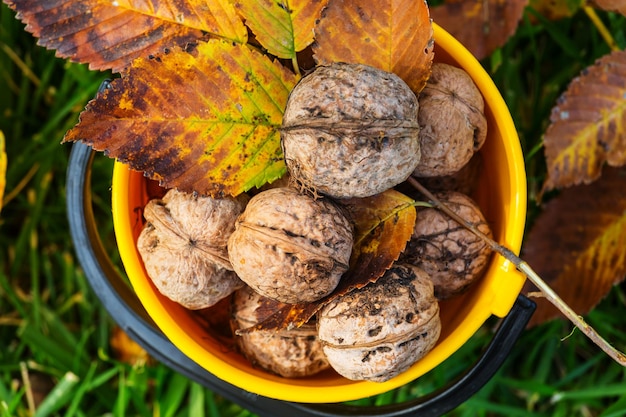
<point>291,247</point>
<point>350,130</point>
<point>452,255</point>
<point>290,353</point>
<point>452,121</point>
<point>183,247</point>
<point>380,330</point>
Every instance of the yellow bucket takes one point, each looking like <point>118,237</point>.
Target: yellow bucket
<point>501,195</point>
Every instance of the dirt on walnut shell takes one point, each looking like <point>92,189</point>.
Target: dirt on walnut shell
<point>379,331</point>
<point>183,247</point>
<point>453,256</point>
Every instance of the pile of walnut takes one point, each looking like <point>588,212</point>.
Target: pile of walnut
<point>348,131</point>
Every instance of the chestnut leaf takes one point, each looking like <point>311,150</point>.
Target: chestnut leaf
<point>110,34</point>
<point>588,125</point>
<point>202,119</point>
<point>393,35</point>
<point>383,225</point>
<point>481,26</point>
<point>577,244</point>
<point>283,28</point>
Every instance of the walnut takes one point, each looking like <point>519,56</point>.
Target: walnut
<point>291,247</point>
<point>290,353</point>
<point>379,331</point>
<point>452,121</point>
<point>464,180</point>
<point>452,255</point>
<point>183,247</point>
<point>350,130</point>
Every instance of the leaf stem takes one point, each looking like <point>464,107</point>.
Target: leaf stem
<point>524,268</point>
<point>296,66</point>
<point>604,32</point>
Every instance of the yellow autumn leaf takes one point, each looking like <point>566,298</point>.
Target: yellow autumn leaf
<point>202,119</point>
<point>283,27</point>
<point>588,125</point>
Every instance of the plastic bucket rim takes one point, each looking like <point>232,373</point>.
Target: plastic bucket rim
<point>286,389</point>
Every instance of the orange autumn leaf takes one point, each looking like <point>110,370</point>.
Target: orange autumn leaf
<point>393,35</point>
<point>203,119</point>
<point>577,244</point>
<point>383,225</point>
<point>282,27</point>
<point>126,349</point>
<point>588,125</point>
<point>110,34</point>
<point>481,26</point>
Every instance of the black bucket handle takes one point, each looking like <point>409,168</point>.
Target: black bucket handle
<point>124,307</point>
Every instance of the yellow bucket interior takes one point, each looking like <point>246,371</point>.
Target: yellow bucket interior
<point>501,195</point>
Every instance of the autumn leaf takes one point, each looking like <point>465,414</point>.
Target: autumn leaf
<point>556,9</point>
<point>588,125</point>
<point>577,243</point>
<point>383,225</point>
<point>3,168</point>
<point>126,349</point>
<point>110,34</point>
<point>282,27</point>
<point>481,26</point>
<point>203,119</point>
<point>612,5</point>
<point>393,35</point>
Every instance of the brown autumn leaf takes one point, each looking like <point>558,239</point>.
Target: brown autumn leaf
<point>577,244</point>
<point>203,119</point>
<point>612,5</point>
<point>588,125</point>
<point>282,27</point>
<point>393,35</point>
<point>481,26</point>
<point>556,9</point>
<point>110,34</point>
<point>383,225</point>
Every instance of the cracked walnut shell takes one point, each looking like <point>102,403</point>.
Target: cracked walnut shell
<point>291,353</point>
<point>291,247</point>
<point>183,247</point>
<point>350,130</point>
<point>379,331</point>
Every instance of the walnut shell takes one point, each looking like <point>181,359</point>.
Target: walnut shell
<point>452,255</point>
<point>183,247</point>
<point>292,353</point>
<point>452,121</point>
<point>350,130</point>
<point>291,247</point>
<point>379,331</point>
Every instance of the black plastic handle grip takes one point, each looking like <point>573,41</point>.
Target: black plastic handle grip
<point>125,308</point>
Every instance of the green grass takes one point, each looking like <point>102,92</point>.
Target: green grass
<point>55,335</point>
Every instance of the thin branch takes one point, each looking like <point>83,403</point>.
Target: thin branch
<point>524,268</point>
